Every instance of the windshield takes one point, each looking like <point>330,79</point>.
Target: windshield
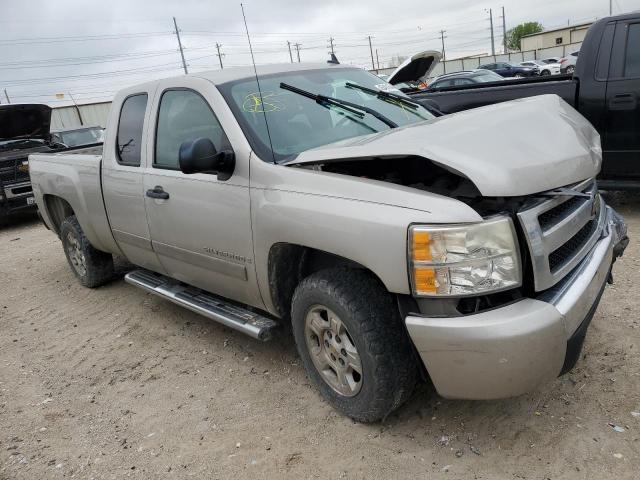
<point>487,76</point>
<point>87,136</point>
<point>297,123</point>
<point>19,144</point>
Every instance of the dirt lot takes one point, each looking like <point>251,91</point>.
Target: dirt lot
<point>115,382</point>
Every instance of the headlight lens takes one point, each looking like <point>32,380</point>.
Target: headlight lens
<point>462,260</point>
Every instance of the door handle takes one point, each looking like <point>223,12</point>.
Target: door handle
<point>623,101</point>
<point>158,192</point>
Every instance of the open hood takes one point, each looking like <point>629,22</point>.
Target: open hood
<point>415,67</point>
<point>496,147</point>
<point>24,121</point>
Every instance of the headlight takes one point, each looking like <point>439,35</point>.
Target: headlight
<point>462,260</point>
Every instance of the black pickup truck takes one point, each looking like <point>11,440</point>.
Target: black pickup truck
<point>605,88</point>
<point>24,129</point>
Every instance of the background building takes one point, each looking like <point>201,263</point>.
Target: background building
<point>555,38</point>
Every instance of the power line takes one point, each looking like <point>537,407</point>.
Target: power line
<point>83,38</point>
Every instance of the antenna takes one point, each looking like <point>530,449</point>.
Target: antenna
<point>255,71</point>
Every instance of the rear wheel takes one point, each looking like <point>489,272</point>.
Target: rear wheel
<point>352,343</point>
<point>92,267</point>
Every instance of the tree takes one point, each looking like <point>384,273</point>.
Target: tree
<point>514,36</point>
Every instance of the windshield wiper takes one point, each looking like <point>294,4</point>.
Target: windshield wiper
<point>324,100</point>
<point>384,95</point>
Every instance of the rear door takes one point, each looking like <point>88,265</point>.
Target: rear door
<point>201,231</point>
<point>122,172</point>
<point>622,130</point>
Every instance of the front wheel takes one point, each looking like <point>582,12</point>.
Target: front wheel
<point>352,343</point>
<point>545,72</point>
<point>570,69</point>
<point>91,267</point>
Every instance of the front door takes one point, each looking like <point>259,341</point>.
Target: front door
<point>201,230</point>
<point>622,136</point>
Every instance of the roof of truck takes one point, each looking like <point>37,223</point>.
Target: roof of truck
<point>239,73</point>
<point>218,77</point>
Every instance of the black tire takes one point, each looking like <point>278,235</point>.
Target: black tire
<point>570,70</point>
<point>371,317</point>
<point>96,267</point>
<point>545,73</point>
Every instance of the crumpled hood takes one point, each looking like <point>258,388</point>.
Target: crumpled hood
<point>513,148</point>
<point>24,121</point>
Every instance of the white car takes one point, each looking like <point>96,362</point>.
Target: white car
<point>545,68</point>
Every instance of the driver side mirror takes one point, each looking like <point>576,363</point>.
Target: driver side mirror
<point>200,156</point>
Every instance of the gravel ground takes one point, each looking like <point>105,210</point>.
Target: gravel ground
<point>115,382</point>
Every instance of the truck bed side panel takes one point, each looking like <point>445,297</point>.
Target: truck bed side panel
<point>76,179</point>
<point>452,101</point>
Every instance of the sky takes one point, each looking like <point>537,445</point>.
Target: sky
<point>88,50</point>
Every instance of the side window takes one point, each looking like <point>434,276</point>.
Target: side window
<point>632,56</point>
<point>183,116</point>
<point>462,81</point>
<point>129,140</point>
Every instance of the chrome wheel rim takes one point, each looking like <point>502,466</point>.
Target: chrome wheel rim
<point>333,351</point>
<point>76,257</point>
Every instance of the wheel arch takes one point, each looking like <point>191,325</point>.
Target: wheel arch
<point>56,210</point>
<point>289,263</point>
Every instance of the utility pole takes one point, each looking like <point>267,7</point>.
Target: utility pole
<point>610,7</point>
<point>373,65</point>
<point>7,95</point>
<point>504,32</point>
<point>77,109</point>
<point>297,45</point>
<point>493,42</point>
<point>290,54</point>
<point>444,65</point>
<point>331,46</point>
<point>184,64</point>
<point>377,59</point>
<point>219,55</point>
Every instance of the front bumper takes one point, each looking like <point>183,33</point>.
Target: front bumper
<point>510,350</point>
<point>16,197</point>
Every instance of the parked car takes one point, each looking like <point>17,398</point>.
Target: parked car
<point>568,63</point>
<point>78,137</point>
<point>463,78</point>
<point>544,68</point>
<point>605,88</point>
<point>24,129</point>
<point>390,251</point>
<point>506,69</point>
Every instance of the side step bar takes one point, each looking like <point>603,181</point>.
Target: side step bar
<point>211,306</point>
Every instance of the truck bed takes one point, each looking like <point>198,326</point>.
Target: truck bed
<point>455,99</point>
<point>76,178</point>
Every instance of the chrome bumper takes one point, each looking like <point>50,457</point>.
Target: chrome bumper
<point>510,350</point>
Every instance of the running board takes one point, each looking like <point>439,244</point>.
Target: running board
<point>204,303</point>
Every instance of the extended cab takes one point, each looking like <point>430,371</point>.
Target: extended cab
<point>396,242</point>
<point>605,88</point>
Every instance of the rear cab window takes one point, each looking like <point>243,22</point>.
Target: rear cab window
<point>130,125</point>
<point>632,55</point>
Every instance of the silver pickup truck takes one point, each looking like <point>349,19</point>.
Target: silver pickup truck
<point>396,243</point>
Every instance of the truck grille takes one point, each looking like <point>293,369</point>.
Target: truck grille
<point>9,172</point>
<point>560,231</point>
